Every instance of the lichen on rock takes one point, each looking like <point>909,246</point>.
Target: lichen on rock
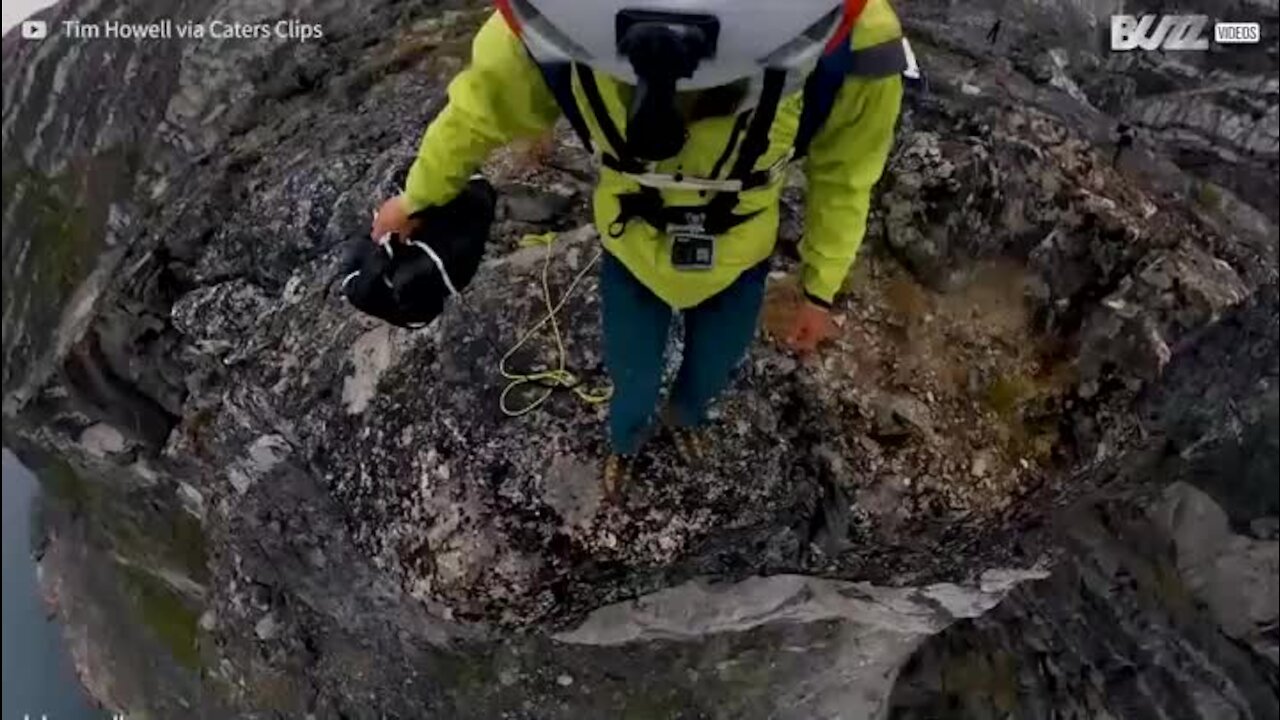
<point>349,526</point>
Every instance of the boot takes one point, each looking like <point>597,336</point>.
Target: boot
<point>617,475</point>
<point>693,446</point>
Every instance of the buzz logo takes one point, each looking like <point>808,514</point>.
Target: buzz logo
<point>1164,32</point>
<point>1177,32</point>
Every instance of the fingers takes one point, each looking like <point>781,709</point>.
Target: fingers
<point>378,230</point>
<point>389,218</point>
<point>806,342</point>
<point>802,340</point>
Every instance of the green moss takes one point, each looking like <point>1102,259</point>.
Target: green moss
<point>1017,400</point>
<point>1209,196</point>
<point>977,676</point>
<point>64,484</point>
<point>173,539</point>
<point>189,549</point>
<point>1169,591</point>
<point>49,247</point>
<point>147,529</point>
<point>276,689</point>
<point>466,673</point>
<point>654,704</point>
<point>1004,686</point>
<point>145,532</point>
<point>48,213</point>
<point>163,611</point>
<point>908,300</point>
<point>743,682</point>
<point>1006,394</point>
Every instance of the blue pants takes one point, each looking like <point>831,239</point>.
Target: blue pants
<point>717,334</point>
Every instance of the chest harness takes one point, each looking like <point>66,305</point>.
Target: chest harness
<point>751,127</point>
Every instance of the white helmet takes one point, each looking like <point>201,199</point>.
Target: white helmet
<point>736,38</point>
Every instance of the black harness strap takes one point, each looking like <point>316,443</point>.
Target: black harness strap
<point>739,125</point>
<point>717,216</point>
<point>754,145</point>
<point>619,160</point>
<point>757,140</point>
<point>559,79</point>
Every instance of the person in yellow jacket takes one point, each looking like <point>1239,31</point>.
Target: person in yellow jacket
<point>693,110</point>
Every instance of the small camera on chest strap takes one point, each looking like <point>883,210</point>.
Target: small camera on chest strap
<point>692,247</point>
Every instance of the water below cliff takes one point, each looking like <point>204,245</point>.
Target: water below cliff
<point>38,675</point>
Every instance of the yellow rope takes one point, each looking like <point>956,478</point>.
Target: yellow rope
<point>558,378</point>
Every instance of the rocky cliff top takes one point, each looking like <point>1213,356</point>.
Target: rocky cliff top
<point>323,514</point>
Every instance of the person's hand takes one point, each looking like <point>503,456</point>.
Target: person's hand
<point>392,217</point>
<point>810,325</point>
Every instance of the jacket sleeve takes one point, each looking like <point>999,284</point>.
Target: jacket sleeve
<point>845,160</point>
<point>499,97</point>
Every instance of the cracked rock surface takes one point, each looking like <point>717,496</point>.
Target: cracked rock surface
<point>1031,475</point>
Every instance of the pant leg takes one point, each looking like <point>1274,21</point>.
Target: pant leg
<point>635,338</point>
<point>718,332</point>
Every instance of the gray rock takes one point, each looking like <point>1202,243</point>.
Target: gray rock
<point>218,318</point>
<point>266,452</point>
<point>695,609</point>
<point>875,630</point>
<point>371,355</point>
<point>1265,528</point>
<point>529,204</point>
<point>422,555</point>
<point>899,414</point>
<point>316,558</point>
<point>101,440</point>
<point>1040,652</point>
<point>1169,294</point>
<point>266,628</point>
<point>1236,577</point>
<point>573,490</point>
<point>239,479</point>
<point>1053,67</point>
<point>208,621</point>
<point>981,464</point>
<point>192,499</point>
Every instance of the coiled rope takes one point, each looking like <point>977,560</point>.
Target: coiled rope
<point>559,377</point>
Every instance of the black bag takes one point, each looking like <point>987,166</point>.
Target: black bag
<point>406,282</point>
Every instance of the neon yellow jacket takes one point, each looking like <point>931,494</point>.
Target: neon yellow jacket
<point>501,96</point>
